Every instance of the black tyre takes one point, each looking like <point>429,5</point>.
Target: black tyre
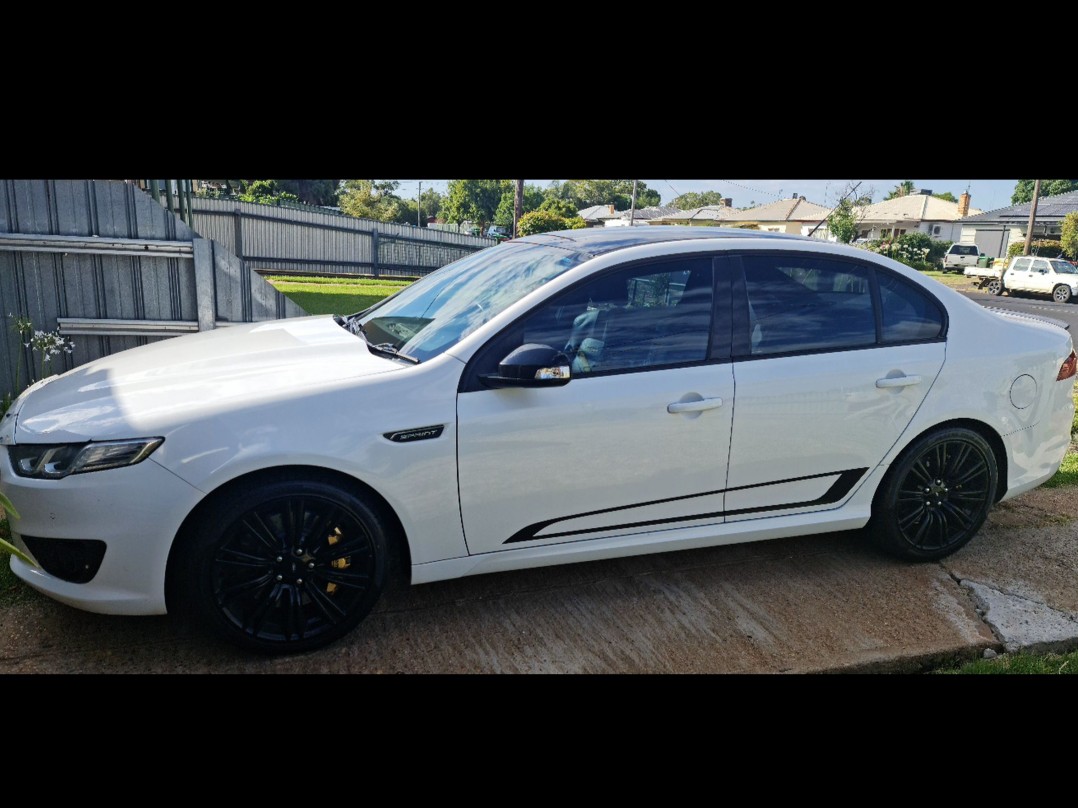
<point>994,287</point>
<point>284,566</point>
<point>936,496</point>
<point>1062,293</point>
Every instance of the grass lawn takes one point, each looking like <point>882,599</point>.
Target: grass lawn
<point>1020,663</point>
<point>335,295</point>
<point>951,279</point>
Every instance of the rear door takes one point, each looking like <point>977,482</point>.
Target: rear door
<point>832,358</point>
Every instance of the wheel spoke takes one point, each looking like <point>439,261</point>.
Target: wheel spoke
<point>258,616</point>
<point>233,557</point>
<point>957,460</point>
<point>356,579</point>
<point>978,468</point>
<point>258,528</point>
<point>247,589</point>
<point>922,472</point>
<point>327,605</point>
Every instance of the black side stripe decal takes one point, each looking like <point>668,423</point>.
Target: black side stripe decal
<point>839,488</point>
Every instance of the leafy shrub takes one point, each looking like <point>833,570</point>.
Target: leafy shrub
<point>543,221</point>
<point>1039,246</point>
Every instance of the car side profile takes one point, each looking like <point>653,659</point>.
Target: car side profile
<point>562,397</point>
<point>1047,276</point>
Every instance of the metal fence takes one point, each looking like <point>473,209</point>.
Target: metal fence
<point>293,241</point>
<point>109,268</point>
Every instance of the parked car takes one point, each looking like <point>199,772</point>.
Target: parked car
<point>1048,276</point>
<point>562,397</point>
<point>499,233</point>
<point>960,256</point>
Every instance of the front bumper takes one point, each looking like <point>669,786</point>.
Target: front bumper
<point>135,511</point>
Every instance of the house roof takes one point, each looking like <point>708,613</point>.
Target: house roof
<point>785,210</point>
<point>643,214</point>
<point>1049,209</point>
<point>914,207</point>
<point>598,212</point>
<point>711,213</point>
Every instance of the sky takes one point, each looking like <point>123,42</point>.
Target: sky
<point>985,194</point>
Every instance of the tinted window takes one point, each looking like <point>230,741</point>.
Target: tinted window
<point>908,313</point>
<point>652,315</point>
<point>1040,265</point>
<point>801,303</point>
<point>960,249</point>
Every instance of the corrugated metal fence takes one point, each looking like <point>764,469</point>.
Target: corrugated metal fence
<point>109,268</point>
<point>293,241</point>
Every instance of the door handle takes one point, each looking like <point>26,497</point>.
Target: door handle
<point>694,406</point>
<point>898,381</point>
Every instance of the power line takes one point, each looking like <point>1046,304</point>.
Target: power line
<point>748,188</point>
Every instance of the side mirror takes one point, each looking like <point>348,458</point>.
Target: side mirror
<point>531,365</point>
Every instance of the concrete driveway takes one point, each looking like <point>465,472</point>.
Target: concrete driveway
<point>823,603</point>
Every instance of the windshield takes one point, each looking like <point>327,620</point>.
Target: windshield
<point>1063,267</point>
<point>436,312</point>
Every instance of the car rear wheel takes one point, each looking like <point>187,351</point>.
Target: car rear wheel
<point>995,287</point>
<point>1062,293</point>
<point>936,496</point>
<point>283,567</point>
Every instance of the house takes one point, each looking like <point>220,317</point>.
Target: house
<point>916,212</point>
<point>711,215</point>
<point>795,215</point>
<point>596,215</point>
<point>995,230</point>
<point>640,216</point>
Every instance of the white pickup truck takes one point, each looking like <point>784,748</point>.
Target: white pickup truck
<point>1030,273</point>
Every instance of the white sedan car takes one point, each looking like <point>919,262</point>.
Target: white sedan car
<point>562,397</point>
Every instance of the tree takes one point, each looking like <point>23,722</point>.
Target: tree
<point>842,222</point>
<point>1023,191</point>
<point>697,199</point>
<point>946,196</point>
<point>533,198</point>
<point>559,207</point>
<point>543,221</point>
<point>863,200</point>
<point>1069,239</point>
<point>475,200</point>
<point>312,192</point>
<point>904,188</point>
<point>585,193</point>
<point>264,192</point>
<point>373,199</point>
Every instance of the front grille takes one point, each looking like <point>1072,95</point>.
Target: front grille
<point>74,560</point>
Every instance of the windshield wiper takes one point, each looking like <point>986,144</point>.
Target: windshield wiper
<point>390,350</point>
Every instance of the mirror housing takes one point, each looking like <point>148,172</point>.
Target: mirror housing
<point>531,365</point>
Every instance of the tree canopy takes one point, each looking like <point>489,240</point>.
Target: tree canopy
<point>585,193</point>
<point>904,188</point>
<point>697,199</point>
<point>475,200</point>
<point>373,199</point>
<point>1023,191</point>
<point>1069,239</point>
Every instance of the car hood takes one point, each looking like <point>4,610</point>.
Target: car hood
<point>144,391</point>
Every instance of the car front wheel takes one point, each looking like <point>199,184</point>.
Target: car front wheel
<point>936,496</point>
<point>283,567</point>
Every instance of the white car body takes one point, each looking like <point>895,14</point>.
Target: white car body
<point>636,462</point>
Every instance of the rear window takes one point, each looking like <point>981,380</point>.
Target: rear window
<point>963,249</point>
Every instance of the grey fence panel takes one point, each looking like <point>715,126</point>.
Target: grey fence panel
<point>76,255</point>
<point>290,240</point>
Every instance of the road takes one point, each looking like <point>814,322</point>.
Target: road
<point>1040,306</point>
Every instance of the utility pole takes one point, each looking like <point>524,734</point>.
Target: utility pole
<point>632,205</point>
<point>419,206</point>
<point>518,206</point>
<point>1032,215</point>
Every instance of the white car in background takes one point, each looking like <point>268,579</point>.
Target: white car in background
<point>1046,276</point>
<point>562,397</point>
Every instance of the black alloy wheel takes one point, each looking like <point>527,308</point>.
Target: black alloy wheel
<point>937,496</point>
<point>286,567</point>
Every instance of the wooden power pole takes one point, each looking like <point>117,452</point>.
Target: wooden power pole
<point>1032,215</point>
<point>518,206</point>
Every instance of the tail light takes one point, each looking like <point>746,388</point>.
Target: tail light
<point>1068,368</point>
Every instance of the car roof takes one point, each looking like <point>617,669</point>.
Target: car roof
<point>599,240</point>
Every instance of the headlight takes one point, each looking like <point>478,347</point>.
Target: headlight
<point>51,461</point>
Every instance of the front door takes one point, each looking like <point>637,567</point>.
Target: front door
<point>637,441</point>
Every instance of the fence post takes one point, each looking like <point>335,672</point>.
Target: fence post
<point>237,247</point>
<point>205,295</point>
<point>374,252</point>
